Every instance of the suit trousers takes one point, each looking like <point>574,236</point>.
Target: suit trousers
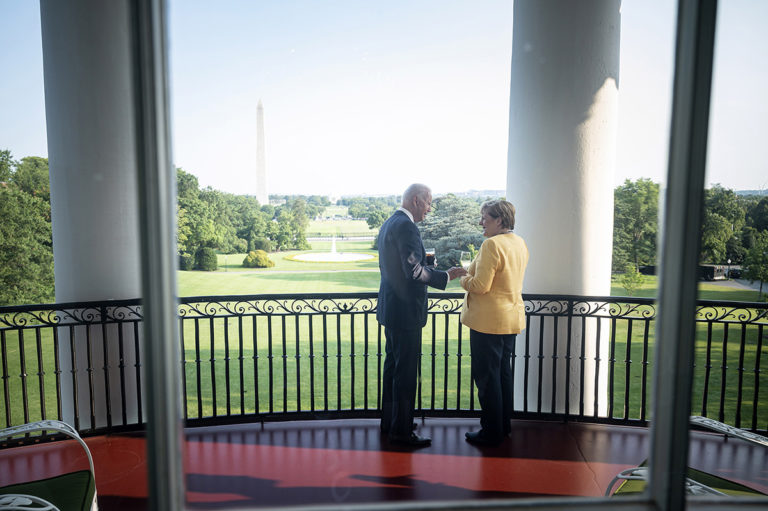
<point>492,373</point>
<point>398,396</point>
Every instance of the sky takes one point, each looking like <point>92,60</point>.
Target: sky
<point>367,97</point>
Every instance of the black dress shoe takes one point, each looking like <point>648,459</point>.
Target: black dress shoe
<point>480,438</point>
<point>412,440</point>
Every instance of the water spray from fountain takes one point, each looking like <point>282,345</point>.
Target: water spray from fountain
<point>333,256</point>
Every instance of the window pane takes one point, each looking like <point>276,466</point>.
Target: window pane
<point>729,389</point>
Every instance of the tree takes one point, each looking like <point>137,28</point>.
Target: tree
<point>31,176</point>
<point>758,215</point>
<point>376,218</point>
<point>734,249</point>
<point>715,233</point>
<point>280,232</point>
<point>289,230</point>
<point>269,210</point>
<point>202,228</point>
<point>219,207</point>
<point>26,248</point>
<point>312,206</point>
<point>299,215</point>
<point>6,165</point>
<point>635,223</point>
<point>249,222</point>
<point>452,227</point>
<point>723,219</point>
<point>183,230</point>
<point>206,260</point>
<point>254,230</point>
<point>632,279</point>
<point>756,260</point>
<point>195,224</point>
<point>375,210</point>
<point>187,185</point>
<point>319,200</point>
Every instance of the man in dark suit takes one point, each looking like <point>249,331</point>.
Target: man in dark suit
<point>402,310</point>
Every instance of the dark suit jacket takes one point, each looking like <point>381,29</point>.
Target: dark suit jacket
<point>404,275</point>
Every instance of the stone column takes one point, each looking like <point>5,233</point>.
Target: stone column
<point>562,142</point>
<point>89,99</point>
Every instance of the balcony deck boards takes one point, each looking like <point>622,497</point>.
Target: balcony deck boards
<point>347,461</point>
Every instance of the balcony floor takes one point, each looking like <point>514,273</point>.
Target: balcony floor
<point>346,461</point>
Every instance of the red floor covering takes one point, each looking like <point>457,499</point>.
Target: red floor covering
<point>326,462</point>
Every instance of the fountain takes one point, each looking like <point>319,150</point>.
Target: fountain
<point>333,256</point>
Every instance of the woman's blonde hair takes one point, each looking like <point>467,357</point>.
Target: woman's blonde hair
<point>502,209</point>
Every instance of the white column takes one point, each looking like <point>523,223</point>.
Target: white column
<point>562,140</point>
<point>89,98</point>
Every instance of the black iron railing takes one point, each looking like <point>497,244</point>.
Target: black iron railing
<point>279,357</point>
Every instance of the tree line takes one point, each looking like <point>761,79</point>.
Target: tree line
<point>451,227</point>
<point>735,227</point>
<point>375,210</point>
<point>210,221</point>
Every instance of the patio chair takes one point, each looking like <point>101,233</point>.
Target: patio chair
<point>15,502</point>
<point>697,482</point>
<point>73,491</point>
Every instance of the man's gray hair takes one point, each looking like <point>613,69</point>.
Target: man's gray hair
<point>415,190</point>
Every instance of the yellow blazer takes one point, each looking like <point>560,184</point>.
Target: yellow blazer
<point>493,303</point>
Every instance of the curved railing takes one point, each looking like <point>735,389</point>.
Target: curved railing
<point>280,357</point>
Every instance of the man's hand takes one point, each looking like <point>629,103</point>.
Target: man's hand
<point>456,271</point>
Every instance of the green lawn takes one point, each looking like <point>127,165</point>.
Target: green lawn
<point>334,222</point>
<point>281,354</point>
<point>283,261</point>
<point>707,291</point>
<point>290,277</point>
<point>335,211</point>
<point>338,227</point>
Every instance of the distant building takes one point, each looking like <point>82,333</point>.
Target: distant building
<point>482,193</point>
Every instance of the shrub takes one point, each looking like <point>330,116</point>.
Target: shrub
<point>206,259</point>
<point>186,262</point>
<point>258,259</point>
<point>632,279</point>
<point>239,246</point>
<point>262,244</point>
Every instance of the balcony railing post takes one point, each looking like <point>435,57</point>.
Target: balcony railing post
<point>6,379</point>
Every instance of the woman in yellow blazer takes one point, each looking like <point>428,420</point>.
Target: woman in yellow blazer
<point>494,311</point>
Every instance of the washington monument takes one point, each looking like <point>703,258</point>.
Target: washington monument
<point>261,166</point>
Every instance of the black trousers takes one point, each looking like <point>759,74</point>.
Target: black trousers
<point>492,373</point>
<point>398,395</point>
